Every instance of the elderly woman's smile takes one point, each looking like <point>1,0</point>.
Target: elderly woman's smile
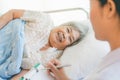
<point>63,36</point>
<point>60,36</point>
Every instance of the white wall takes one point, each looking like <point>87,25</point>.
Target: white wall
<point>20,4</point>
<point>42,4</point>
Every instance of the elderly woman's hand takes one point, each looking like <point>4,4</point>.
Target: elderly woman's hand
<point>58,74</point>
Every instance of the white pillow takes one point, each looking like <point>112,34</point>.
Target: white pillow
<point>84,56</point>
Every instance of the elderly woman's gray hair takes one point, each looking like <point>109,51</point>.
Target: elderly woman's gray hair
<point>78,26</point>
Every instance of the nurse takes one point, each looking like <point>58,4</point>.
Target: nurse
<point>105,18</point>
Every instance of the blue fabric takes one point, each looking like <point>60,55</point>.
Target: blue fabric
<point>11,48</point>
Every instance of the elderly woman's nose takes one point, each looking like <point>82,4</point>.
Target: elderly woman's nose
<point>67,35</point>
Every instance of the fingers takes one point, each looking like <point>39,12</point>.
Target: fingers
<point>55,62</point>
<point>58,74</point>
<point>52,67</point>
<point>49,73</point>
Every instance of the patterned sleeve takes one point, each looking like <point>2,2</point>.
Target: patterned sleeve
<point>34,16</point>
<point>37,21</point>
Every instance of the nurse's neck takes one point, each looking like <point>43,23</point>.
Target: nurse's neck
<point>115,43</point>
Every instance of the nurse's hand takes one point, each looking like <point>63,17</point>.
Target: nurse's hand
<point>58,74</point>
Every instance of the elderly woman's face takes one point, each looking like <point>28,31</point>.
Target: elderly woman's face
<point>61,37</point>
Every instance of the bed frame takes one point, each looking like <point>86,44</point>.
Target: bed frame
<point>68,9</point>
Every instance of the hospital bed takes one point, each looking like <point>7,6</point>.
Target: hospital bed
<point>84,56</point>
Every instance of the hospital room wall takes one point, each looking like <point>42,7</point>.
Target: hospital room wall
<point>42,5</point>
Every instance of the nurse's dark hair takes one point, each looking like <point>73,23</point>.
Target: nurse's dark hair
<point>117,3</point>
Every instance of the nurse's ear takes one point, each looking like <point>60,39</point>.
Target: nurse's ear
<point>110,9</point>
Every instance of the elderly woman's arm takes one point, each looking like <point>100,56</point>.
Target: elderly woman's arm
<point>10,15</point>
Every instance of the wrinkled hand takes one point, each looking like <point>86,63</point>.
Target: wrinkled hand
<point>58,74</point>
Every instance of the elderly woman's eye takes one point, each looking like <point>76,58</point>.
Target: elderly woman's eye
<point>68,30</point>
<point>64,36</point>
<point>70,39</point>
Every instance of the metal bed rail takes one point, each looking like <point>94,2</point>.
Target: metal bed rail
<point>68,9</point>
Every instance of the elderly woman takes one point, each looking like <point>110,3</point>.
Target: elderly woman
<point>105,17</point>
<point>43,41</point>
